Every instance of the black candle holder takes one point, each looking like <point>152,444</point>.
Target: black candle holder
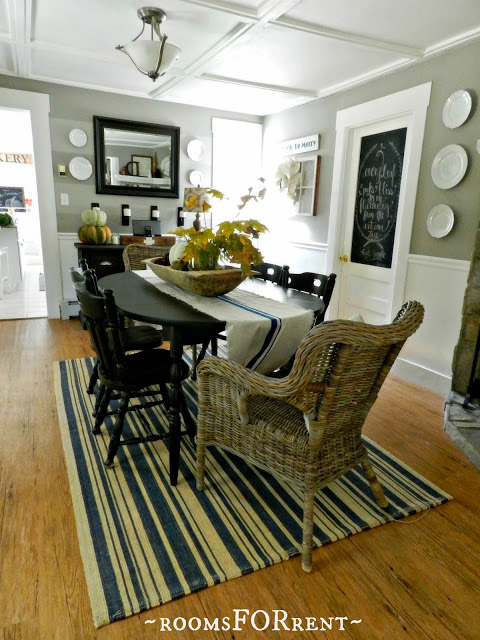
<point>126,216</point>
<point>152,209</point>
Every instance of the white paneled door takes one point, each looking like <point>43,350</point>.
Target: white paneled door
<point>377,160</point>
<point>372,219</point>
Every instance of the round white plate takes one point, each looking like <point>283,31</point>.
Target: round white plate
<point>449,166</point>
<point>196,150</point>
<point>80,168</point>
<point>77,137</point>
<point>440,221</point>
<point>457,109</point>
<point>165,167</point>
<point>196,178</point>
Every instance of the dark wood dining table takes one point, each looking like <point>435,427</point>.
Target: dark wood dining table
<point>138,299</point>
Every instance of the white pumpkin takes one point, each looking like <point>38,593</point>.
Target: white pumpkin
<point>176,253</point>
<point>94,216</point>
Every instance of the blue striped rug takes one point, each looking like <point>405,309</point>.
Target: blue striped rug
<point>144,543</point>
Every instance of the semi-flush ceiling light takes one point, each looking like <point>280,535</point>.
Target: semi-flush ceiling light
<point>152,57</point>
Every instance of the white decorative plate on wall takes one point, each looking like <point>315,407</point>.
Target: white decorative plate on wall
<point>80,168</point>
<point>449,166</point>
<point>77,137</point>
<point>165,167</point>
<point>196,178</point>
<point>196,150</point>
<point>440,221</point>
<point>457,109</point>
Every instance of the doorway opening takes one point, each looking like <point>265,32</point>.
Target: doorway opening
<point>24,294</point>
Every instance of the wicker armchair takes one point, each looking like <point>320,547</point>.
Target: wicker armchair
<point>306,427</point>
<point>133,254</point>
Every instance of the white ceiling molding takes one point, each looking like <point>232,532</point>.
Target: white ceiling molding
<point>235,55</point>
<point>452,43</point>
<point>20,14</point>
<point>268,87</point>
<point>344,36</point>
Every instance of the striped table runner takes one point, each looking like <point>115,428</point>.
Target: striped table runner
<point>262,333</point>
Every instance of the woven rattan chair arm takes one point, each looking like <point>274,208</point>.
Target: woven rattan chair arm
<point>249,381</point>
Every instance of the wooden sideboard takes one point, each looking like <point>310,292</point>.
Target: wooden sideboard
<point>108,258</point>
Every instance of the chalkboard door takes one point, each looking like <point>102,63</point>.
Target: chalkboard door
<point>376,199</point>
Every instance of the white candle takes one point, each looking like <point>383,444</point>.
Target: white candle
<point>155,213</point>
<point>127,212</point>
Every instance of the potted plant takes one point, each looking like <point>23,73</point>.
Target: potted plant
<point>229,242</point>
<point>201,263</point>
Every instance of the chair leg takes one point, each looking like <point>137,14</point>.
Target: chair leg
<point>308,504</point>
<point>118,429</point>
<point>98,399</point>
<point>200,466</point>
<point>102,410</point>
<point>375,485</point>
<point>93,378</point>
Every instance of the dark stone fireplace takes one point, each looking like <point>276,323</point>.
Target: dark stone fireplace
<point>462,408</point>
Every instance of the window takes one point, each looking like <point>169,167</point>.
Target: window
<point>237,157</point>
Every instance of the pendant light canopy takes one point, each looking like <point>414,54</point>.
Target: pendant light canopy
<point>153,57</point>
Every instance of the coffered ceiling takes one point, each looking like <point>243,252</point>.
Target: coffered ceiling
<point>254,56</point>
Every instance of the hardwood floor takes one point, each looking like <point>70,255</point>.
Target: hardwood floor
<point>418,579</point>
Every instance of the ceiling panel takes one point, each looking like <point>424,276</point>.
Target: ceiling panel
<point>220,95</point>
<point>192,28</point>
<point>299,60</point>
<point>417,23</point>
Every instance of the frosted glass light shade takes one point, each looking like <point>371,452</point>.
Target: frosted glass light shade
<point>144,54</point>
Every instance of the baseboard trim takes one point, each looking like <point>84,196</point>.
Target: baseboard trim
<point>413,372</point>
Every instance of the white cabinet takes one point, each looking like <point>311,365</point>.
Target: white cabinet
<point>9,239</point>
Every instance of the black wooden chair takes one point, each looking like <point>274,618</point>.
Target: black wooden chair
<point>273,272</point>
<point>317,284</point>
<point>136,338</point>
<point>128,374</point>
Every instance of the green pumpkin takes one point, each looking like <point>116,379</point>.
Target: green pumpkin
<point>94,216</point>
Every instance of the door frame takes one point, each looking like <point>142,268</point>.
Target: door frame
<point>412,103</point>
<point>38,104</point>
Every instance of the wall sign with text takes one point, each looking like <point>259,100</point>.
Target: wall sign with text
<point>300,145</point>
<point>376,200</point>
<point>20,158</point>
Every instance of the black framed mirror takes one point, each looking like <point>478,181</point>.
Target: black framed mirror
<point>136,158</point>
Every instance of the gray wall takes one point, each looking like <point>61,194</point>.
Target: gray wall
<point>71,108</point>
<point>457,69</point>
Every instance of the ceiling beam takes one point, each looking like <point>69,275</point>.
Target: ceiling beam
<point>20,12</point>
<point>260,85</point>
<point>345,36</point>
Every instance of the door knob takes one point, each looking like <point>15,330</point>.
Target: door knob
<point>344,258</point>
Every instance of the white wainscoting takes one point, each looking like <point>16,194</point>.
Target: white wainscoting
<point>299,256</point>
<point>439,284</point>
<point>68,258</point>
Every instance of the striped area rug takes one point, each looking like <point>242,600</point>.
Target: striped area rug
<point>144,543</point>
